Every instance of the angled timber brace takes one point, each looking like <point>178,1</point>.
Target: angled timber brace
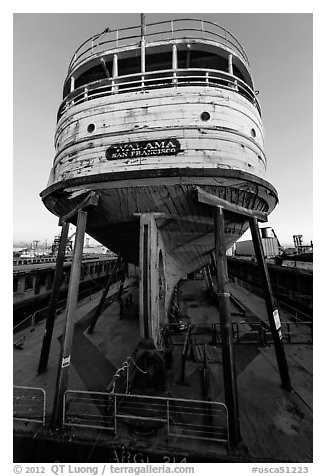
<point>64,362</point>
<point>90,200</point>
<point>230,388</point>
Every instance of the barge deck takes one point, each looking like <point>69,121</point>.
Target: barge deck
<point>283,422</point>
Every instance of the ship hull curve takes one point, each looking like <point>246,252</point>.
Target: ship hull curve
<point>185,225</point>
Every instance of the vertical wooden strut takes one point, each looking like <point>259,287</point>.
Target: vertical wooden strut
<point>270,306</point>
<point>149,289</point>
<point>229,373</point>
<point>99,308</point>
<point>64,362</point>
<point>122,282</point>
<point>142,44</point>
<point>44,357</point>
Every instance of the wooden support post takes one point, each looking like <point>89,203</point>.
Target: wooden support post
<point>44,357</point>
<point>150,242</point>
<point>229,373</point>
<point>64,362</point>
<point>122,284</point>
<point>270,306</point>
<point>99,308</point>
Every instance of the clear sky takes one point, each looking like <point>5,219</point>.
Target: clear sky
<point>279,47</point>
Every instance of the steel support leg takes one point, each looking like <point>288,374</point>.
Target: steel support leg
<point>229,373</point>
<point>99,308</point>
<point>47,339</point>
<point>270,306</point>
<point>64,362</point>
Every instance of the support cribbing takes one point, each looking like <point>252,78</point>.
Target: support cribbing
<point>272,312</point>
<point>47,339</point>
<point>65,355</point>
<point>229,372</point>
<point>99,308</point>
<point>124,274</point>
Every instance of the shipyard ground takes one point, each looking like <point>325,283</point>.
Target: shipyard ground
<point>276,426</point>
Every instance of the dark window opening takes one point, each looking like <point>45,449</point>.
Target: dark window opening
<point>49,279</point>
<point>42,279</point>
<point>205,116</point>
<point>187,58</point>
<point>15,287</point>
<point>94,74</point>
<point>236,72</point>
<point>29,283</point>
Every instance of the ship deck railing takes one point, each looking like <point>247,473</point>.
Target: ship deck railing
<point>29,404</point>
<point>198,419</point>
<point>169,78</point>
<point>180,28</point>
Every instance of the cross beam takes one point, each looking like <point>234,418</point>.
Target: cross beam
<point>208,199</point>
<point>91,199</point>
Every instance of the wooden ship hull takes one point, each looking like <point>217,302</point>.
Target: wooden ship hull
<point>144,123</point>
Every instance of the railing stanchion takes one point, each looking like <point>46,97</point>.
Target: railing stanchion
<point>115,414</point>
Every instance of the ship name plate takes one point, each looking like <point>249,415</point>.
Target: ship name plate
<point>132,150</point>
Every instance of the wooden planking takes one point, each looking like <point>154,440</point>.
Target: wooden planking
<point>164,112</point>
<point>156,98</point>
<point>213,201</point>
<point>92,164</point>
<point>186,237</point>
<point>178,116</point>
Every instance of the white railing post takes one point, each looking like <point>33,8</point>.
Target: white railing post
<point>115,414</point>
<point>174,63</point>
<point>115,71</point>
<point>230,64</point>
<point>44,406</point>
<point>72,84</point>
<point>64,408</point>
<point>168,415</point>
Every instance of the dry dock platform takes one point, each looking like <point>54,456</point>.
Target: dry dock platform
<point>276,425</point>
